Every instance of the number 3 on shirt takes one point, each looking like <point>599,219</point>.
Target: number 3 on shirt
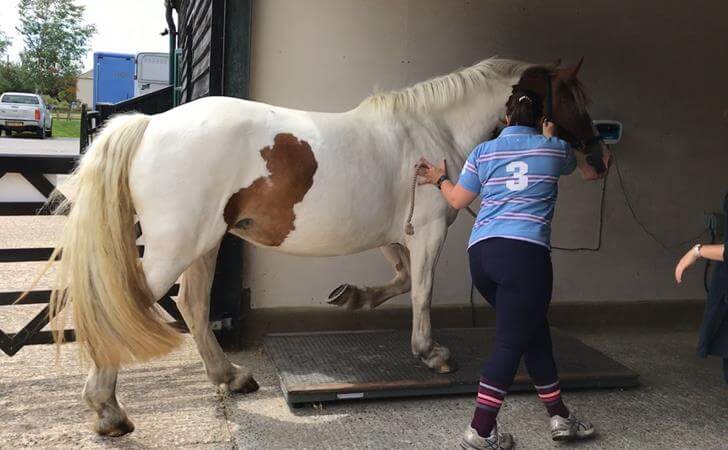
<point>519,182</point>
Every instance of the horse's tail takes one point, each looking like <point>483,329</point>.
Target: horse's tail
<point>100,275</point>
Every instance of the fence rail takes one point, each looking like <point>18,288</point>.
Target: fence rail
<point>34,168</point>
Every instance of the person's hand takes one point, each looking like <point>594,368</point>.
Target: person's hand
<point>686,261</point>
<point>429,173</point>
<point>549,128</point>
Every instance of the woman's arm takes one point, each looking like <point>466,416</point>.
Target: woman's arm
<point>587,171</point>
<point>457,196</point>
<point>711,252</point>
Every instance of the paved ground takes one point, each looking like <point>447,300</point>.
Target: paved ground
<point>682,403</point>
<point>35,146</point>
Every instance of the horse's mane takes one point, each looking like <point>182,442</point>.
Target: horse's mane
<point>441,91</point>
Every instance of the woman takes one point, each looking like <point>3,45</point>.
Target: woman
<point>714,330</point>
<point>516,175</point>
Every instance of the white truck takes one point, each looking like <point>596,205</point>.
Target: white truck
<point>152,72</point>
<point>25,112</point>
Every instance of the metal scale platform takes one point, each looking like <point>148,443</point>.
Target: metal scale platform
<point>331,366</point>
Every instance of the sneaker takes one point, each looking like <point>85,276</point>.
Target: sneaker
<point>496,441</point>
<point>570,429</point>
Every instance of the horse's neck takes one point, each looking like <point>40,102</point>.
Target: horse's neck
<point>473,120</point>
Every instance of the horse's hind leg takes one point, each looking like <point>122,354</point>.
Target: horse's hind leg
<point>99,392</point>
<point>194,304</point>
<point>354,297</point>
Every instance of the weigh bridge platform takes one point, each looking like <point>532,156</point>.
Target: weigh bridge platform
<point>331,366</point>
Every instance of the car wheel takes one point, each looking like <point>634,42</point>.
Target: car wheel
<point>8,133</point>
<point>41,133</point>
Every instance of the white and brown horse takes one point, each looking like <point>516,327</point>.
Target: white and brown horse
<point>300,182</point>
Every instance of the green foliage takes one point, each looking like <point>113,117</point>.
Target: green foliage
<point>56,40</point>
<point>4,44</point>
<point>14,77</point>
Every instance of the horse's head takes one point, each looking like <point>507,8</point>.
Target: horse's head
<point>565,104</point>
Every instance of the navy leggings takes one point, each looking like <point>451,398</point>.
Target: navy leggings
<point>516,278</point>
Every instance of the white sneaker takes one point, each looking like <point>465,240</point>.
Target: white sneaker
<point>570,429</point>
<point>496,441</point>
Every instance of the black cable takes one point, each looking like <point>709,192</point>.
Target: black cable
<point>666,247</point>
<point>602,203</point>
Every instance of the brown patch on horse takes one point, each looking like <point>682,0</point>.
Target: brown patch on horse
<point>263,211</point>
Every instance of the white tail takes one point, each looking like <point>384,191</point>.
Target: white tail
<point>114,313</point>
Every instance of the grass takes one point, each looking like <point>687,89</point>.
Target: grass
<point>66,128</point>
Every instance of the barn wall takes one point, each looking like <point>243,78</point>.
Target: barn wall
<point>656,69</point>
<point>200,29</point>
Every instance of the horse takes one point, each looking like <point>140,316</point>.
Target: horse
<point>302,183</point>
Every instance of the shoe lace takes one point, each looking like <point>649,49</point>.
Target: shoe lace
<point>496,445</point>
<point>575,424</point>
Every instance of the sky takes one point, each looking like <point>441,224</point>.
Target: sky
<point>122,26</point>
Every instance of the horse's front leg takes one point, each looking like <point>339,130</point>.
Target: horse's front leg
<point>355,297</point>
<point>99,392</point>
<point>425,247</point>
<point>194,304</point>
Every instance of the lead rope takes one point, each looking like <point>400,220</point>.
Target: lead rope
<point>409,229</point>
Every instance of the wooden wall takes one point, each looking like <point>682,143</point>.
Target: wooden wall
<point>201,38</point>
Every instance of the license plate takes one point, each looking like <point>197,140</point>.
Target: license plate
<point>13,123</point>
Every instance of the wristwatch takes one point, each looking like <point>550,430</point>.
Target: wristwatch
<point>440,181</point>
<point>697,250</point>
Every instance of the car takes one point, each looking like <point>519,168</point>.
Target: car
<point>25,112</point>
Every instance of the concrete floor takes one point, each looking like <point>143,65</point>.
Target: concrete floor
<point>25,145</point>
<point>682,403</point>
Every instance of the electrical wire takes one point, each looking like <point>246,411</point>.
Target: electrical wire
<point>666,247</point>
<point>602,203</point>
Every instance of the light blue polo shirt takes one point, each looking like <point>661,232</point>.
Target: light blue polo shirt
<point>517,177</point>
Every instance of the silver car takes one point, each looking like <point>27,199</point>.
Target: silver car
<point>25,112</point>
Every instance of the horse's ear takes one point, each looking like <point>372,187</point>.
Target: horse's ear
<point>573,71</point>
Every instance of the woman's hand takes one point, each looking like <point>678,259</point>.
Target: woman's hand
<point>549,129</point>
<point>431,174</point>
<point>686,261</point>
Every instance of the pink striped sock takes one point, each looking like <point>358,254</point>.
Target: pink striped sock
<point>550,395</point>
<point>487,404</point>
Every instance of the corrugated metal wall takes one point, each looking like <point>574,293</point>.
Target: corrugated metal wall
<point>201,34</point>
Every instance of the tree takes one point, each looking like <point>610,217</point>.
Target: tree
<point>4,44</point>
<point>56,40</point>
<point>14,77</point>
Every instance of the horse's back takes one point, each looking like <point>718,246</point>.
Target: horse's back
<point>292,180</point>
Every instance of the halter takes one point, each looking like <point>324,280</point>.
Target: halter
<point>594,157</point>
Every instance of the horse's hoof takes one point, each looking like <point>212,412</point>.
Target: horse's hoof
<point>346,296</point>
<point>242,383</point>
<point>440,360</point>
<point>247,387</point>
<point>113,427</point>
<point>447,367</point>
<point>337,296</point>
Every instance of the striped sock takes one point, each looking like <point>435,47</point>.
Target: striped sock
<point>487,404</point>
<point>550,395</point>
